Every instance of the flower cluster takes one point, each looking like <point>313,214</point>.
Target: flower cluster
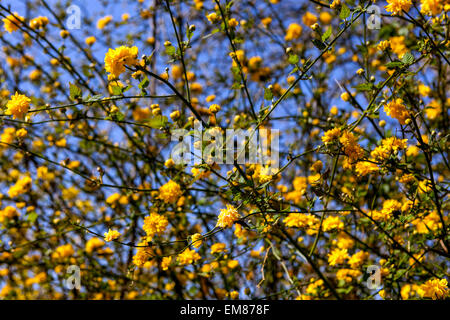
<point>227,217</point>
<point>116,59</point>
<point>18,105</point>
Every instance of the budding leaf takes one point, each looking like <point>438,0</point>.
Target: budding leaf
<point>268,95</point>
<point>116,90</point>
<point>394,64</point>
<point>144,83</point>
<point>345,12</point>
<point>170,50</point>
<point>293,59</point>
<point>327,34</point>
<point>157,122</point>
<point>408,58</point>
<point>75,92</point>
<point>364,87</point>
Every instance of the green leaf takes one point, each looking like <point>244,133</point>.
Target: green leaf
<point>94,98</point>
<point>236,86</point>
<point>364,87</point>
<point>75,92</point>
<point>408,58</point>
<point>32,216</point>
<point>157,122</point>
<point>116,90</point>
<point>393,65</point>
<point>293,59</point>
<point>319,44</point>
<point>170,50</point>
<point>327,34</point>
<point>119,116</point>
<point>144,83</point>
<point>293,71</point>
<point>345,12</point>
<point>268,95</point>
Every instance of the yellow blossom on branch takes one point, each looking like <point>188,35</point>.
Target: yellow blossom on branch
<point>111,235</point>
<point>116,59</point>
<point>227,217</point>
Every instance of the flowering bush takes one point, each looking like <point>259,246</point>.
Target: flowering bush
<point>353,202</point>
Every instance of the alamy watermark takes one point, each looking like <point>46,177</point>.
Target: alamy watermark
<point>374,280</point>
<point>74,280</point>
<point>373,22</point>
<point>73,20</point>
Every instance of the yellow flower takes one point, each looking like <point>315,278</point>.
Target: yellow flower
<point>383,45</point>
<point>112,199</point>
<point>21,133</point>
<point>101,23</point>
<point>218,247</point>
<point>232,264</point>
<point>351,147</point>
<point>20,187</point>
<point>175,115</point>
<point>325,17</point>
<point>389,207</point>
<point>8,213</point>
<point>227,217</point>
<point>143,254</point>
<point>347,274</point>
<point>170,192</point>
<point>434,288</point>
<point>398,45</point>
<point>35,75</point>
<point>332,223</point>
<point>396,109</point>
<point>18,105</point>
<point>331,135</point>
<point>165,263</point>
<point>300,220</point>
<point>317,166</point>
<point>388,147</point>
<point>213,17</point>
<point>188,256</point>
<point>90,40</point>
<point>309,19</point>
<point>12,22</point>
<point>335,4</point>
<point>364,168</point>
<point>196,240</point>
<point>38,23</point>
<point>155,224</point>
<point>63,251</point>
<point>116,59</point>
<point>294,31</point>
<point>214,108</point>
<point>233,23</point>
<point>431,7</point>
<point>397,6</point>
<point>111,235</point>
<point>93,244</point>
<point>358,259</point>
<point>266,21</point>
<point>337,256</point>
<point>176,72</point>
<point>345,96</point>
<point>433,110</point>
<point>64,33</point>
<point>424,90</point>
